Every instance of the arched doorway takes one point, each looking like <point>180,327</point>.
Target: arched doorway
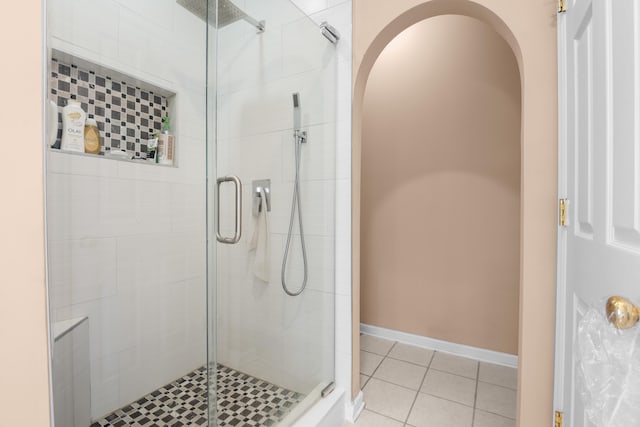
<point>531,35</point>
<point>440,221</point>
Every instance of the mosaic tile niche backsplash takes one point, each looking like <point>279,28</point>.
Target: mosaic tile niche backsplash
<point>127,116</point>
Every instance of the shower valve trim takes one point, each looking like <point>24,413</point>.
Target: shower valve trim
<point>301,135</point>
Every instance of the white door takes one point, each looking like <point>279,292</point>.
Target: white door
<point>599,249</point>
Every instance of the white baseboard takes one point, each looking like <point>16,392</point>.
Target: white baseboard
<point>481,354</point>
<point>354,409</point>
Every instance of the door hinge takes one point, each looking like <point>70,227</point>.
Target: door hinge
<point>562,6</point>
<point>558,417</point>
<point>563,213</point>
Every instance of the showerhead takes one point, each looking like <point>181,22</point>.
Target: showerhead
<point>228,13</point>
<point>296,111</point>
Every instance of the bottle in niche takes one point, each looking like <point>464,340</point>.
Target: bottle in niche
<point>152,145</point>
<point>166,145</point>
<point>91,137</point>
<point>73,120</point>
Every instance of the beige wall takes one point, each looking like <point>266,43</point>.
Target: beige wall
<point>441,185</point>
<point>530,29</point>
<point>23,327</point>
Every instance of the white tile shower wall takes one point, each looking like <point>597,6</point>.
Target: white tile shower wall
<point>262,331</point>
<point>126,240</point>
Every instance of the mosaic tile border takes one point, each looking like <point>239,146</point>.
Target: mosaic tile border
<point>242,400</point>
<point>127,115</point>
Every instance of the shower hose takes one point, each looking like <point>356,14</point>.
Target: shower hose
<point>299,138</point>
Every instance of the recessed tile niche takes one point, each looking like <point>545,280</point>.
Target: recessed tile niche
<point>128,111</point>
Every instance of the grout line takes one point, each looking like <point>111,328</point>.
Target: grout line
<point>457,375</point>
<point>433,356</point>
<point>391,348</point>
<point>475,396</point>
<point>377,367</point>
<point>383,415</point>
<point>499,385</point>
<point>444,398</point>
<point>496,414</point>
<point>397,385</point>
<point>418,391</point>
<point>371,352</point>
<point>412,363</point>
<point>366,381</point>
<point>373,336</point>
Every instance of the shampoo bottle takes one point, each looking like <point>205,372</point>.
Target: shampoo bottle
<point>52,124</point>
<point>166,145</point>
<point>91,137</point>
<point>73,119</point>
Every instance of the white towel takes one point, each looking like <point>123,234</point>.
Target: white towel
<point>260,241</point>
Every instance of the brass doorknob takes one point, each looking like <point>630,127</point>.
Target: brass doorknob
<point>622,313</point>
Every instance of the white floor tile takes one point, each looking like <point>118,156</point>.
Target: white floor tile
<point>450,387</point>
<point>455,365</point>
<point>401,373</point>
<point>446,397</point>
<point>388,399</point>
<point>485,419</point>
<point>430,411</point>
<point>496,399</point>
<point>371,419</point>
<point>369,362</point>
<point>375,345</point>
<point>498,375</point>
<point>409,353</point>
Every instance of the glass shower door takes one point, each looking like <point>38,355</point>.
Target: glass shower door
<point>272,210</point>
<point>126,218</point>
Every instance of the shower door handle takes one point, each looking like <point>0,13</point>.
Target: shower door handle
<point>238,228</point>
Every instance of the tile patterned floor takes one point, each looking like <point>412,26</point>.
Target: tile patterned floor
<point>242,401</point>
<point>415,387</point>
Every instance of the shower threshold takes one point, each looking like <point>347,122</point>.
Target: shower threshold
<point>242,400</point>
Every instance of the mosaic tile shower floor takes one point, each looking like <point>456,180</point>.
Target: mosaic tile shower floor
<point>242,401</point>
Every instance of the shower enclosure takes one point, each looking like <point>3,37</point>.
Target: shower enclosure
<point>165,281</point>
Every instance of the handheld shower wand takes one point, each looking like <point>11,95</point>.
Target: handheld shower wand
<point>296,111</point>
<point>297,133</point>
<point>300,137</point>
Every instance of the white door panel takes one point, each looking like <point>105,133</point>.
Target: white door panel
<point>582,77</point>
<point>599,249</point>
<point>624,227</point>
